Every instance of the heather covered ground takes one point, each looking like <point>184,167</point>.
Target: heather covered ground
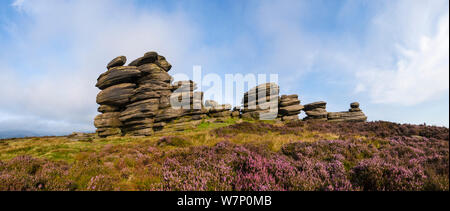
<point>235,155</point>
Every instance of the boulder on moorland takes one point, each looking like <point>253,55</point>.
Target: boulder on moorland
<point>354,105</point>
<point>117,75</point>
<point>155,75</point>
<point>288,97</point>
<point>285,103</point>
<point>168,114</point>
<point>290,118</point>
<point>107,108</point>
<point>110,119</point>
<point>116,95</point>
<point>149,57</point>
<point>141,109</point>
<point>311,106</point>
<point>291,110</point>
<point>149,68</point>
<point>211,104</point>
<point>317,112</point>
<point>106,132</point>
<point>162,62</point>
<point>347,116</point>
<point>118,61</point>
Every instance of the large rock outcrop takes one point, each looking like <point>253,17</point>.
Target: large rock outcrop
<point>132,96</point>
<point>142,98</point>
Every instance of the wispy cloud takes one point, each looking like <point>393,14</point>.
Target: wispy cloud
<point>410,44</point>
<point>420,74</point>
<point>62,46</point>
<point>18,3</point>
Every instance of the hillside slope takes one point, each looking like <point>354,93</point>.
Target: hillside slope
<point>234,155</point>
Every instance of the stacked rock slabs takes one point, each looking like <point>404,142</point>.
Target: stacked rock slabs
<point>261,102</point>
<point>289,107</point>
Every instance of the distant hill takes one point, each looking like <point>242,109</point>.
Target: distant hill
<point>19,134</point>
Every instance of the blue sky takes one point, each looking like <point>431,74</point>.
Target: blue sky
<point>391,56</point>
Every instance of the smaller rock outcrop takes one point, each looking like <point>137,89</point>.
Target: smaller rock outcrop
<point>118,61</point>
<point>316,111</point>
<point>289,107</point>
<point>215,110</point>
<point>354,114</point>
<point>261,102</point>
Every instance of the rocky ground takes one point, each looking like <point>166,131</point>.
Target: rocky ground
<point>233,154</point>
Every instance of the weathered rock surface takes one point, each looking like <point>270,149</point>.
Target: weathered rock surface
<point>291,110</point>
<point>84,137</point>
<point>105,132</point>
<point>168,114</point>
<point>211,104</point>
<point>107,108</point>
<point>354,114</point>
<point>316,111</point>
<point>117,95</point>
<point>117,75</point>
<point>347,116</point>
<point>289,107</point>
<point>141,109</point>
<point>118,61</point>
<point>110,119</point>
<point>149,68</point>
<point>319,112</point>
<point>289,102</point>
<point>261,102</point>
<point>354,105</point>
<point>155,75</point>
<point>162,62</point>
<point>290,118</point>
<point>311,106</point>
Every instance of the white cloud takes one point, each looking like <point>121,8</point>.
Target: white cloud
<point>18,3</point>
<point>52,63</point>
<point>412,55</point>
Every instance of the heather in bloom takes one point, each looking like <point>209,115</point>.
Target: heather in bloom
<point>397,159</point>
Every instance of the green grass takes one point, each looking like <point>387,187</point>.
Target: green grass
<point>64,149</point>
<point>139,163</point>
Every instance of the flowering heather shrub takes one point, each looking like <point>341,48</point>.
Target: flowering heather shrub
<point>27,173</point>
<point>399,161</point>
<point>378,174</point>
<point>198,168</point>
<point>101,183</point>
<point>228,166</point>
<point>173,141</point>
<point>259,128</point>
<point>381,129</point>
<point>402,163</point>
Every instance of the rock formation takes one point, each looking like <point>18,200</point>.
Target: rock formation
<point>261,102</point>
<point>140,99</point>
<point>134,98</point>
<point>289,107</point>
<point>354,114</point>
<point>316,111</point>
<point>215,110</point>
